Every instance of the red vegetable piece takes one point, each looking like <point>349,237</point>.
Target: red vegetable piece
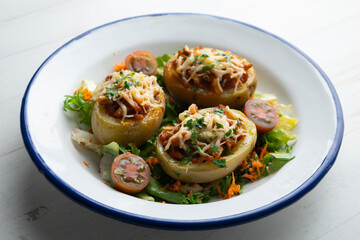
<point>262,113</point>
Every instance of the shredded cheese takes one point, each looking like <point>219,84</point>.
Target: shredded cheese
<point>217,126</point>
<point>211,64</point>
<point>137,90</point>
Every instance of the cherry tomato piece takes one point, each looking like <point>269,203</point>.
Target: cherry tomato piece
<point>130,173</point>
<point>141,61</point>
<point>262,113</point>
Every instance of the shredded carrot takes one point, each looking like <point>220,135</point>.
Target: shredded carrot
<point>86,164</point>
<point>119,67</point>
<point>176,187</point>
<point>244,165</point>
<point>163,202</point>
<point>256,167</point>
<point>189,194</point>
<point>87,95</point>
<point>128,153</point>
<point>233,189</point>
<point>195,185</point>
<point>99,171</point>
<point>263,152</point>
<point>152,162</point>
<point>106,182</point>
<point>250,177</point>
<point>91,140</point>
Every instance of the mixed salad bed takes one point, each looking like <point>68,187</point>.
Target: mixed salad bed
<point>148,180</point>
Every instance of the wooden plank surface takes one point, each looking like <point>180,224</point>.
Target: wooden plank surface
<point>31,208</point>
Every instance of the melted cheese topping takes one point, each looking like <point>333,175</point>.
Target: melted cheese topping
<point>197,64</point>
<point>138,90</point>
<point>206,129</point>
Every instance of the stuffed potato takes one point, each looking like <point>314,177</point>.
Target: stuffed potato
<point>128,107</point>
<point>206,145</point>
<point>208,77</point>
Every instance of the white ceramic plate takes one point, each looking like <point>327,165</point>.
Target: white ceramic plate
<point>282,69</point>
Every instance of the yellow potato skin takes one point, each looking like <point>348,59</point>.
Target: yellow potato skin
<point>203,98</point>
<point>207,172</point>
<point>108,129</point>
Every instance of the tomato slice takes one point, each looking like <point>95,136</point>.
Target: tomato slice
<point>130,173</point>
<point>262,113</point>
<point>141,61</point>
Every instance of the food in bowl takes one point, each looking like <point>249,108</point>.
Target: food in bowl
<point>214,141</point>
<point>184,154</point>
<point>127,107</point>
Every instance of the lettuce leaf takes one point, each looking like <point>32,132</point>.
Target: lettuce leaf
<point>161,61</point>
<point>275,161</point>
<point>155,189</point>
<point>278,139</point>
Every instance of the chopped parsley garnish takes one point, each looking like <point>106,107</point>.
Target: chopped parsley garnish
<point>184,161</point>
<point>228,59</point>
<point>197,147</point>
<point>219,125</point>
<point>219,111</point>
<point>200,122</point>
<point>194,136</point>
<point>111,93</point>
<point>229,133</point>
<point>186,115</point>
<point>127,84</point>
<point>195,59</point>
<point>220,163</point>
<point>206,68</point>
<point>205,56</point>
<point>190,123</point>
<point>214,149</point>
<point>228,152</point>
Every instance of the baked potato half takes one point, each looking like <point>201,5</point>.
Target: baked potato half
<point>128,108</point>
<point>208,77</point>
<point>244,131</point>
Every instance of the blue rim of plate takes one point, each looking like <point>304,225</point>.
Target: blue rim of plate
<point>231,220</point>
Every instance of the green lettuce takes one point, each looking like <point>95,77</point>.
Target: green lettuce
<point>275,161</point>
<point>278,139</point>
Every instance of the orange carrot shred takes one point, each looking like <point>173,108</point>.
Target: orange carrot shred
<point>86,164</point>
<point>233,189</point>
<point>176,187</point>
<point>263,152</point>
<point>152,161</point>
<point>119,67</point>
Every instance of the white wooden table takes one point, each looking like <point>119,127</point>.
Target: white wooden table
<point>31,208</point>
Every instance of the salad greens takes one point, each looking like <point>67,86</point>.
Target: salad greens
<point>272,150</point>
